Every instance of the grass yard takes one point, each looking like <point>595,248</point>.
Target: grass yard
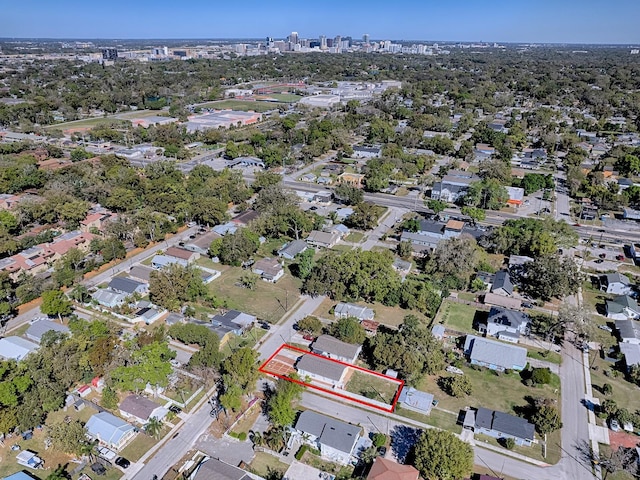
<point>371,386</point>
<point>437,418</point>
<point>285,97</point>
<point>249,339</point>
<point>243,105</point>
<point>341,248</point>
<point>140,445</point>
<point>267,301</point>
<point>534,451</point>
<point>248,419</point>
<point>485,384</point>
<point>263,464</point>
<point>545,355</point>
<point>355,237</point>
<point>389,316</point>
<point>330,467</point>
<point>457,316</point>
<point>87,123</point>
<point>270,248</point>
<point>624,393</point>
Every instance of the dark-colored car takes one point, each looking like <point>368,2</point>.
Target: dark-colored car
<point>175,409</point>
<point>265,326</point>
<point>603,255</point>
<point>598,260</point>
<point>382,451</point>
<point>122,462</point>
<point>98,468</point>
<point>620,258</point>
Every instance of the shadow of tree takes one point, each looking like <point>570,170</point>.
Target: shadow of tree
<point>403,439</point>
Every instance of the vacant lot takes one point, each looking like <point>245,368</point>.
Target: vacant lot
<point>389,316</point>
<point>458,316</point>
<point>243,105</point>
<point>266,300</point>
<point>371,386</point>
<point>263,464</point>
<point>485,383</point>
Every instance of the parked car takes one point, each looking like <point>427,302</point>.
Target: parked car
<point>614,425</point>
<point>265,326</point>
<point>606,328</point>
<point>620,258</point>
<point>603,255</point>
<point>382,451</point>
<point>598,260</point>
<point>175,409</point>
<point>527,305</point>
<point>122,462</point>
<point>309,338</point>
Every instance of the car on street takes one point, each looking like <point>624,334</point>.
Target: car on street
<point>620,258</point>
<point>382,451</point>
<point>265,326</point>
<point>603,255</point>
<point>122,462</point>
<point>527,305</point>
<point>598,260</point>
<point>309,338</point>
<point>606,328</point>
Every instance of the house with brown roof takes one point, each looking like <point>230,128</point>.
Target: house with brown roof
<point>96,220</point>
<point>353,179</point>
<point>269,269</point>
<point>140,409</point>
<point>384,469</point>
<point>182,254</point>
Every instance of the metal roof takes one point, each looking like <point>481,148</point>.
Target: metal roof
<point>16,348</point>
<point>495,353</point>
<point>321,366</point>
<point>107,427</point>
<point>37,329</point>
<point>124,285</point>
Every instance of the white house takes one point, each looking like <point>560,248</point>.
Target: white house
<point>291,249</point>
<point>16,348</point>
<point>110,430</point>
<point>502,320</point>
<point>336,440</point>
<point>622,307</point>
<point>615,283</point>
<point>343,310</point>
<point>494,355</point>
<point>269,269</point>
<point>331,347</point>
<point>628,331</point>
<point>322,370</point>
<point>502,425</point>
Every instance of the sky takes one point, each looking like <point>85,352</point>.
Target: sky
<point>530,21</point>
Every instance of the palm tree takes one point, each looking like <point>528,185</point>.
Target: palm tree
<point>276,438</point>
<point>153,427</point>
<point>257,438</point>
<point>88,449</point>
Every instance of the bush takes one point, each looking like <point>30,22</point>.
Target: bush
<point>242,436</point>
<point>457,386</point>
<point>379,439</point>
<point>541,376</point>
<point>508,443</point>
<point>607,389</point>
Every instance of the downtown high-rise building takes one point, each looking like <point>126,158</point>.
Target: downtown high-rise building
<point>365,38</point>
<point>293,38</point>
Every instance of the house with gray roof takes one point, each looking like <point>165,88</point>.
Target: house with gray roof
<point>317,238</point>
<point>331,347</point>
<point>631,352</point>
<point>628,331</point>
<point>322,370</point>
<point>232,321</point>
<point>201,243</point>
<point>335,439</point>
<point>453,186</point>
<point>213,469</point>
<point>269,269</point>
<point>415,400</point>
<point>494,355</point>
<point>501,284</point>
<point>141,273</point>
<point>291,249</point>
<point>16,348</point>
<point>161,261</point>
<point>108,298</point>
<point>504,320</point>
<point>622,307</point>
<point>615,283</point>
<point>343,310</point>
<point>502,425</point>
<point>38,328</point>
<point>128,286</point>
<point>110,430</point>
<point>140,409</point>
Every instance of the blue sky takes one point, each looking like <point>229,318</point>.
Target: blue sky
<point>562,21</point>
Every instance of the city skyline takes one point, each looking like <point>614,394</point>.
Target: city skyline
<point>572,21</point>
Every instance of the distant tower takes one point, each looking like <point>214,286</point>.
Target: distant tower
<point>365,38</point>
<point>109,53</point>
<point>293,38</point>
<point>323,42</point>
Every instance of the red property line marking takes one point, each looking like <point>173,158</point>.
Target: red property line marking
<point>390,409</point>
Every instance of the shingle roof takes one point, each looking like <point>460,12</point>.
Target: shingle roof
<point>108,297</point>
<point>138,406</point>
<point>504,423</point>
<point>124,285</point>
<point>331,345</point>
<point>141,272</point>
<point>384,469</point>
<point>320,366</point>
<point>616,278</point>
<point>502,280</point>
<point>330,432</point>
<point>214,469</point>
<point>628,329</point>
<point>353,310</point>
<point>505,316</point>
<point>495,353</point>
<point>416,399</point>
<point>293,248</point>
<point>40,327</point>
<point>631,352</point>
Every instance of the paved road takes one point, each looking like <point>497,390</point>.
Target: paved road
<point>283,332</point>
<point>175,448</point>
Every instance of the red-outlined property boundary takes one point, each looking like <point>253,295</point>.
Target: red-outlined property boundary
<point>342,396</point>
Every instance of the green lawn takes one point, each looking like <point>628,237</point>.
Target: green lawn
<point>545,355</point>
<point>497,391</point>
<point>285,97</point>
<point>267,301</point>
<point>263,463</point>
<point>87,122</point>
<point>243,105</point>
<point>389,316</point>
<point>457,316</point>
<point>249,339</point>
<point>140,445</point>
<point>624,393</point>
<point>330,467</point>
<point>437,418</point>
<point>355,237</point>
<point>371,386</point>
<point>270,248</point>
<point>534,451</point>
